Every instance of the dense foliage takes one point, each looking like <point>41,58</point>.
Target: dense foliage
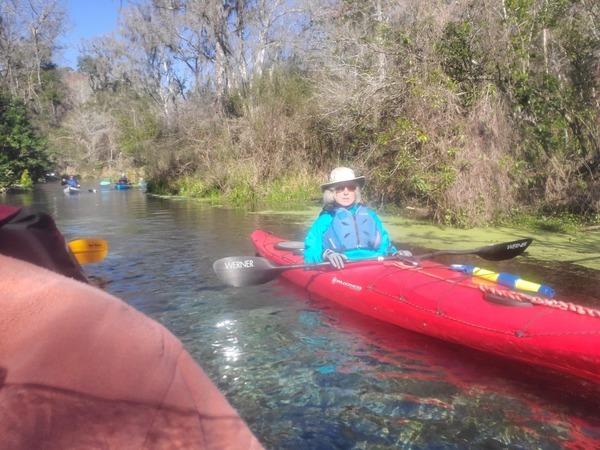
<point>465,112</point>
<point>22,151</point>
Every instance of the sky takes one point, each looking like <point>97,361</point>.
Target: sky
<point>88,18</point>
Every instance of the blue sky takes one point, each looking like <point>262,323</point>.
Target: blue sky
<point>88,18</point>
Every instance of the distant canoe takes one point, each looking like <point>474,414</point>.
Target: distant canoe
<point>123,186</point>
<point>105,183</point>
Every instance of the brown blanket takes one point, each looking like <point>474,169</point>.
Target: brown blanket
<point>81,369</point>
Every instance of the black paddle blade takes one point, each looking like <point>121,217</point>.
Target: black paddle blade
<point>503,251</point>
<point>495,252</point>
<point>246,270</point>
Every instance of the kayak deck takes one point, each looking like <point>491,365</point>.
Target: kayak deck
<point>434,300</point>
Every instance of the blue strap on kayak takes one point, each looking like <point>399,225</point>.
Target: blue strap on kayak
<point>505,279</point>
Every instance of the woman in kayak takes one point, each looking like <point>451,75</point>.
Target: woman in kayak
<point>346,228</point>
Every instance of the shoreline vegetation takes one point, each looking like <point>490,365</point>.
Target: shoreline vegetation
<point>308,194</point>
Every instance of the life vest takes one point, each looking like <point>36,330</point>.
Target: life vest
<point>349,231</point>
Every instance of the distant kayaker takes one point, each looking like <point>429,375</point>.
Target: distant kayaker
<point>123,179</point>
<point>72,182</point>
<point>346,228</point>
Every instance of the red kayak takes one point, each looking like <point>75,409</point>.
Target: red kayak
<point>432,299</point>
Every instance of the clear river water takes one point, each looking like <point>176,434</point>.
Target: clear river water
<point>308,374</point>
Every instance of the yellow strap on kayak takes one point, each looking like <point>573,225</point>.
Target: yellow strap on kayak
<point>505,279</point>
<point>90,250</point>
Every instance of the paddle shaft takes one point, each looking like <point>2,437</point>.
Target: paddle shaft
<point>253,270</point>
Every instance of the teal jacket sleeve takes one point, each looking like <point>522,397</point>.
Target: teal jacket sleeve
<point>313,243</point>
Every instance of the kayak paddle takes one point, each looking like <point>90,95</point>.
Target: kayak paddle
<point>496,252</point>
<point>88,251</point>
<point>253,270</point>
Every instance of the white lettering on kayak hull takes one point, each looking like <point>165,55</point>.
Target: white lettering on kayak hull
<point>354,287</point>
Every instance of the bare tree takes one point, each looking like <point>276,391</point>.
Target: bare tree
<point>149,58</point>
<point>172,47</point>
<point>29,32</point>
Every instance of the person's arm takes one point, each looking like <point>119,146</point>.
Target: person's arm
<point>67,347</point>
<point>313,243</point>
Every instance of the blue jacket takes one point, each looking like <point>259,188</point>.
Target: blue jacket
<point>313,243</point>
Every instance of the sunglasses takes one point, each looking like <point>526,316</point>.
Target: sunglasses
<point>350,187</point>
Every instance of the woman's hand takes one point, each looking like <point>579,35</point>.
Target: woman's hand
<point>337,260</point>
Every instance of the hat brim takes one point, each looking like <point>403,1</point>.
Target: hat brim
<point>358,180</point>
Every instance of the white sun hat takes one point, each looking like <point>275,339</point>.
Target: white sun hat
<point>342,175</point>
